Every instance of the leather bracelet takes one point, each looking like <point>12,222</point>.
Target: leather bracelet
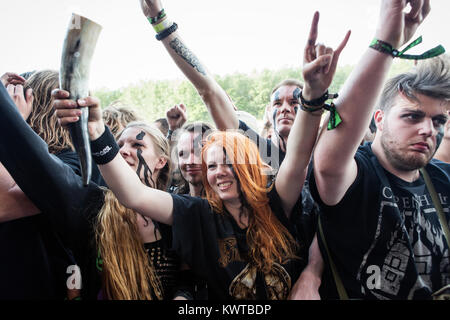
<point>166,32</point>
<point>105,148</point>
<point>319,101</point>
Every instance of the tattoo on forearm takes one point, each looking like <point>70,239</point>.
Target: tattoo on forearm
<point>187,55</point>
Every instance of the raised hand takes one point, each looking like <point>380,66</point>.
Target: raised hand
<point>319,63</point>
<point>176,116</point>
<point>23,100</point>
<point>150,8</point>
<point>397,27</point>
<point>68,112</point>
<point>11,78</point>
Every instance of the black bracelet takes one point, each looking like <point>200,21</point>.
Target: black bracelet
<point>319,101</point>
<point>166,32</point>
<point>105,148</point>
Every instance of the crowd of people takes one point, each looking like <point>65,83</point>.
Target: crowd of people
<point>335,197</point>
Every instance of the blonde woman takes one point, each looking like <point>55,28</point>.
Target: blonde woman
<point>107,240</point>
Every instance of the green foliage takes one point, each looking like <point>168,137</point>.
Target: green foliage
<point>249,92</point>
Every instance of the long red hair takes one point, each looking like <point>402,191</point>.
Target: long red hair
<point>269,241</point>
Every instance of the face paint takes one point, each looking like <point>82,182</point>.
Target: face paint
<point>145,219</point>
<point>143,164</point>
<point>276,96</point>
<point>140,136</point>
<point>296,94</point>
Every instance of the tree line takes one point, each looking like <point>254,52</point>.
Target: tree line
<point>249,92</point>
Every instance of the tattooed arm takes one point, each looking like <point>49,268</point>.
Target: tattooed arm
<point>215,98</point>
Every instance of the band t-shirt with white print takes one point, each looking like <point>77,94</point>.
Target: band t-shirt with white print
<point>216,249</point>
<point>386,239</point>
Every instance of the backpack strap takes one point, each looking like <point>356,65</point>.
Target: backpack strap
<point>437,205</point>
<point>337,279</point>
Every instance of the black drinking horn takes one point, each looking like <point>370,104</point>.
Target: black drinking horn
<point>78,49</point>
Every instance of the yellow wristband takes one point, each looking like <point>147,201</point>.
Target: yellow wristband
<point>163,25</point>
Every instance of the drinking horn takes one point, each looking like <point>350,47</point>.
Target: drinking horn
<point>78,49</point>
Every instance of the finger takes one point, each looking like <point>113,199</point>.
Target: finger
<point>426,8</point>
<point>317,65</point>
<point>320,49</point>
<point>343,43</point>
<point>312,37</point>
<point>15,77</point>
<point>314,30</point>
<point>328,51</point>
<point>66,121</point>
<point>67,113</point>
<point>91,102</point>
<point>416,9</point>
<point>10,88</point>
<point>18,91</point>
<point>60,94</point>
<point>29,96</point>
<point>337,53</point>
<point>183,107</point>
<point>64,104</point>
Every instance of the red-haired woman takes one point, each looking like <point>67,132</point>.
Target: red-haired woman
<point>240,238</point>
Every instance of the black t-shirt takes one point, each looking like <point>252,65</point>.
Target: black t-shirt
<point>69,212</point>
<point>385,237</point>
<point>71,158</point>
<point>33,261</point>
<point>269,152</point>
<point>215,247</point>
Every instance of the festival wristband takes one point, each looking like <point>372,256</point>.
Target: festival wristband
<point>159,16</point>
<point>335,118</point>
<point>166,32</point>
<point>385,47</point>
<point>165,24</point>
<point>105,148</point>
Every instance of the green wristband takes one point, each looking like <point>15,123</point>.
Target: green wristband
<point>388,49</point>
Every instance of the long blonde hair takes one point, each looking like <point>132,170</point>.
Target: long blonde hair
<point>43,119</point>
<point>269,241</point>
<point>127,272</point>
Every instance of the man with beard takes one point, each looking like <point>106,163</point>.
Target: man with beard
<point>380,224</point>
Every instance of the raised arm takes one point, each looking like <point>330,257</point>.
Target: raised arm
<point>319,67</point>
<point>118,175</point>
<point>334,166</point>
<point>215,98</point>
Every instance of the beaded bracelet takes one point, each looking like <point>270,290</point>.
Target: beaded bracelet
<point>166,32</point>
<point>159,16</point>
<point>385,47</point>
<point>105,148</point>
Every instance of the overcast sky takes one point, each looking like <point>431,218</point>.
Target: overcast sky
<point>227,36</point>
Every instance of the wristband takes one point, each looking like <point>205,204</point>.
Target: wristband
<point>385,47</point>
<point>159,16</point>
<point>165,24</point>
<point>105,148</point>
<point>166,32</point>
<point>319,101</point>
<point>335,118</point>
